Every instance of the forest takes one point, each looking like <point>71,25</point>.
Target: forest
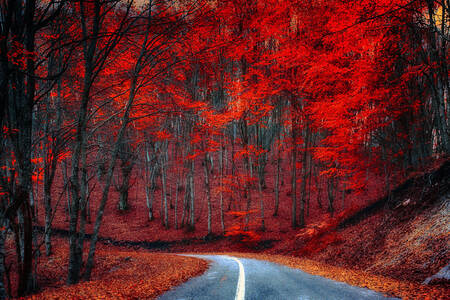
<point>158,120</point>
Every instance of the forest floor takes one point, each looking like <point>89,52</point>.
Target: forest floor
<point>119,273</point>
<point>133,224</point>
<point>386,244</point>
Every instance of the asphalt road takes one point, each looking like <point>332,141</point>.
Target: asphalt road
<point>240,278</point>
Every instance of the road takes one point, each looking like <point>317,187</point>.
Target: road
<point>250,279</point>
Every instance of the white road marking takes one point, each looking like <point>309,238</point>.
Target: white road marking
<point>240,290</point>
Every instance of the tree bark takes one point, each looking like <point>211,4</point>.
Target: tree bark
<point>294,178</point>
<point>208,191</point>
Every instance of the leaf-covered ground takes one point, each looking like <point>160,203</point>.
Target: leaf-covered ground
<point>119,274</point>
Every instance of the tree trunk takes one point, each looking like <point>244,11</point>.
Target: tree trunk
<point>48,220</point>
<point>277,183</point>
<point>115,152</point>
<point>125,186</point>
<point>221,163</point>
<point>304,177</point>
<point>208,191</point>
<point>164,154</point>
<point>186,203</point>
<point>150,186</point>
<point>294,178</point>
<point>192,195</point>
<point>177,186</point>
<point>25,262</point>
<point>261,205</point>
<point>67,189</point>
<point>3,292</point>
<point>331,195</point>
<point>233,164</point>
<point>319,189</point>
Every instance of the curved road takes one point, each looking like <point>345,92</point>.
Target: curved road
<point>241,278</point>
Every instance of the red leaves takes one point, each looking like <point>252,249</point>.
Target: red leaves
<point>9,131</point>
<point>37,177</point>
<point>244,236</point>
<point>18,55</point>
<point>118,274</point>
<point>161,135</point>
<point>249,150</point>
<point>240,231</point>
<point>193,156</point>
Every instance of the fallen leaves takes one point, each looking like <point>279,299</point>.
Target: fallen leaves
<point>125,274</point>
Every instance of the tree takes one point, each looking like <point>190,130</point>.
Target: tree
<point>21,22</point>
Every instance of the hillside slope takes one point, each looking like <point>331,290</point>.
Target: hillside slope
<point>405,238</point>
